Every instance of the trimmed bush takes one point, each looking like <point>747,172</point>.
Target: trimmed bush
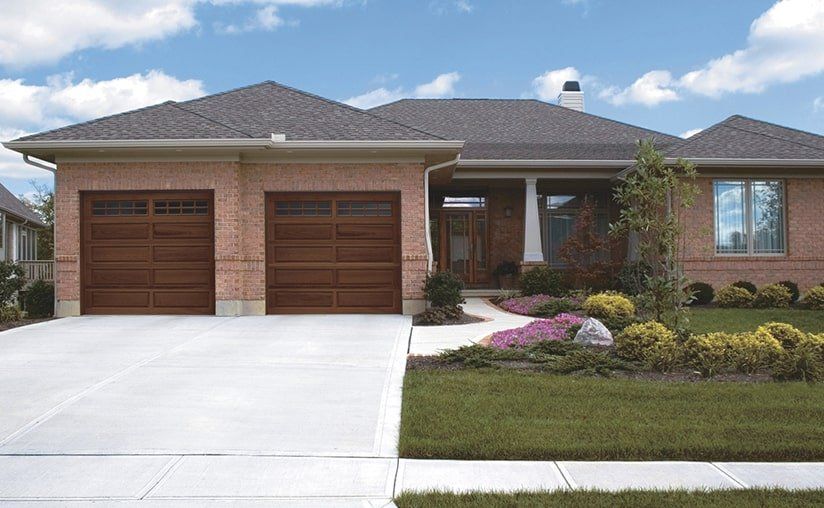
<point>12,279</point>
<point>788,335</point>
<point>443,289</point>
<point>702,292</point>
<point>440,315</point>
<point>749,352</point>
<point>10,313</point>
<point>40,299</point>
<point>651,343</point>
<point>707,352</point>
<point>805,362</point>
<point>745,284</point>
<point>553,307</point>
<point>814,298</point>
<point>541,280</point>
<point>772,296</point>
<point>608,306</point>
<point>793,287</point>
<point>734,296</point>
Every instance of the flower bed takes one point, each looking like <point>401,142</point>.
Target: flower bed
<point>526,305</point>
<point>557,328</point>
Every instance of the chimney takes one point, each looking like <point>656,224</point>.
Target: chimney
<point>571,96</point>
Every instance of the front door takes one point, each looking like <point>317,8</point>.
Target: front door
<point>464,245</point>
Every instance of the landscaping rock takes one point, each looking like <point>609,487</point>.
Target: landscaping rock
<point>593,333</point>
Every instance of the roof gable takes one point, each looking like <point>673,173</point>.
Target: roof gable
<point>11,204</point>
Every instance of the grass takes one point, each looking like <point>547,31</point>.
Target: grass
<point>630,498</point>
<point>506,414</point>
<point>743,320</point>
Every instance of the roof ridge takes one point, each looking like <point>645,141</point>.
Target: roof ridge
<point>816,148</point>
<point>181,108</point>
<point>695,137</point>
<point>347,106</point>
<point>774,125</point>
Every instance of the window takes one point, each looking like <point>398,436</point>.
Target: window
<point>128,207</point>
<point>303,208</point>
<point>182,207</point>
<point>749,217</point>
<point>464,202</point>
<point>364,208</point>
<point>558,216</point>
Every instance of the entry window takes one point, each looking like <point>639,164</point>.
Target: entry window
<point>303,208</point>
<point>749,217</point>
<point>124,207</point>
<point>558,214</point>
<point>181,207</point>
<point>464,202</point>
<point>364,209</point>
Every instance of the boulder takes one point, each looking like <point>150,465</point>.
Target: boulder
<point>593,333</point>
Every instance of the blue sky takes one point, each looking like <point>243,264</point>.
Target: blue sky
<point>672,66</point>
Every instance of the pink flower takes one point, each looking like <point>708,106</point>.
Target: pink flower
<point>556,328</point>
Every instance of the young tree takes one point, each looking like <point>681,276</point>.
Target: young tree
<point>651,200</point>
<point>586,252</point>
<point>42,202</point>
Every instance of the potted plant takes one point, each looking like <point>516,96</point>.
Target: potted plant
<point>506,272</point>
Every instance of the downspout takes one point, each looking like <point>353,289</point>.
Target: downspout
<point>427,228</point>
<point>53,171</point>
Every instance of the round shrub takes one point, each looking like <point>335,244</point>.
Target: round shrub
<point>443,289</point>
<point>788,335</point>
<point>10,313</point>
<point>805,362</point>
<point>608,306</point>
<point>734,296</point>
<point>702,293</point>
<point>772,296</point>
<point>541,280</point>
<point>707,352</point>
<point>793,287</point>
<point>749,352</point>
<point>650,342</point>
<point>40,299</point>
<point>814,298</point>
<point>745,284</point>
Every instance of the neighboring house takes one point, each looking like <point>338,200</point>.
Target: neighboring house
<point>18,237</point>
<point>267,199</point>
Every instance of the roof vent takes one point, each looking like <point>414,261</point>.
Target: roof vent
<point>571,96</point>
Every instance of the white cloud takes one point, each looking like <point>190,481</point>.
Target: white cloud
<point>818,104</point>
<point>266,19</point>
<point>11,164</point>
<point>548,85</point>
<point>442,7</point>
<point>442,86</point>
<point>690,133</point>
<point>464,6</point>
<point>651,89</point>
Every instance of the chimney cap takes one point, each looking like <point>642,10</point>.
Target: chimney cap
<point>571,86</point>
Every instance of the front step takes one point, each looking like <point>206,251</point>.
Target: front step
<point>480,293</point>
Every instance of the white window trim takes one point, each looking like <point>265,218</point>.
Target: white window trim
<point>748,219</point>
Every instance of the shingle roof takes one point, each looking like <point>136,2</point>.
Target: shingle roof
<point>255,111</point>
<point>522,129</point>
<point>11,204</point>
<point>739,137</point>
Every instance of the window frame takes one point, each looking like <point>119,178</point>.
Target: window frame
<point>545,212</point>
<point>748,219</point>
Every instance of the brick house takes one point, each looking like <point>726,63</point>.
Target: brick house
<point>267,199</point>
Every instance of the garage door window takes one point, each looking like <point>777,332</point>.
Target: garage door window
<point>125,207</point>
<point>364,209</point>
<point>181,207</point>
<point>303,209</point>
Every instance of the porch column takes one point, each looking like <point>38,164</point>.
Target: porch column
<point>532,224</point>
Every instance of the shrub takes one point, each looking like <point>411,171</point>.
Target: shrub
<point>805,362</point>
<point>505,294</point>
<point>10,313</point>
<point>443,289</point>
<point>749,352</point>
<point>734,296</point>
<point>557,328</point>
<point>787,335</point>
<point>588,361</point>
<point>11,281</point>
<point>541,280</point>
<point>440,315</point>
<point>632,278</point>
<point>40,299</point>
<point>651,343</point>
<point>702,293</point>
<point>608,305</point>
<point>745,284</point>
<point>707,352</point>
<point>772,296</point>
<point>506,268</point>
<point>793,287</point>
<point>814,298</point>
<point>553,307</point>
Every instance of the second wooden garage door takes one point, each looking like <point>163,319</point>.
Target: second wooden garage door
<point>333,252</point>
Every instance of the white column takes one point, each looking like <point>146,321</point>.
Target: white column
<point>532,224</point>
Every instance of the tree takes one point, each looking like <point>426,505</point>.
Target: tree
<point>42,202</point>
<point>586,252</point>
<point>651,200</point>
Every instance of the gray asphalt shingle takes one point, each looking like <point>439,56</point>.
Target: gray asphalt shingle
<point>10,204</point>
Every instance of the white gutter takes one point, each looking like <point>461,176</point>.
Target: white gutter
<point>721,162</point>
<point>543,163</point>
<point>436,144</point>
<point>427,228</point>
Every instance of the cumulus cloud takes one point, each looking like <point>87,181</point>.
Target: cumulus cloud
<point>651,89</point>
<point>442,86</point>
<point>818,104</point>
<point>548,85</point>
<point>266,19</point>
<point>690,133</point>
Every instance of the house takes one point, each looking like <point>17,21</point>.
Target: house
<point>19,225</point>
<point>268,199</point>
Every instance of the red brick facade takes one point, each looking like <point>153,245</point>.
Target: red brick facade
<point>239,212</point>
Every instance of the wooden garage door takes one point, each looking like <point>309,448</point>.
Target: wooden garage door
<point>333,252</point>
<point>148,253</point>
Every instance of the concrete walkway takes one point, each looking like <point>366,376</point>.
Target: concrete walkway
<point>429,340</point>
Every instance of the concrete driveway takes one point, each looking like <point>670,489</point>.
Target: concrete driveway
<point>175,409</point>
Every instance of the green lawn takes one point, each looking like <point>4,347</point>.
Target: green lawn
<point>634,499</point>
<point>506,414</point>
<point>705,320</point>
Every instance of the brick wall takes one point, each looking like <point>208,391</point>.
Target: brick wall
<point>803,262</point>
<point>506,234</point>
<point>239,211</point>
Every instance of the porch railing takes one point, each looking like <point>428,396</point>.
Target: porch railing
<point>38,270</point>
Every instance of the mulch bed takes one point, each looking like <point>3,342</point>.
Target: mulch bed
<point>465,319</point>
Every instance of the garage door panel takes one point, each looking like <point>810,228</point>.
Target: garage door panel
<point>302,276</point>
<point>119,276</point>
<point>119,253</point>
<point>366,299</point>
<point>184,230</point>
<point>367,277</point>
<point>118,299</point>
<point>181,299</point>
<point>366,254</point>
<point>122,231</point>
<point>181,253</point>
<point>365,231</point>
<point>185,277</point>
<point>295,254</point>
<point>303,299</point>
<point>282,232</point>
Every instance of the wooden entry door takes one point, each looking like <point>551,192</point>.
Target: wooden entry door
<point>464,241</point>
<point>332,252</point>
